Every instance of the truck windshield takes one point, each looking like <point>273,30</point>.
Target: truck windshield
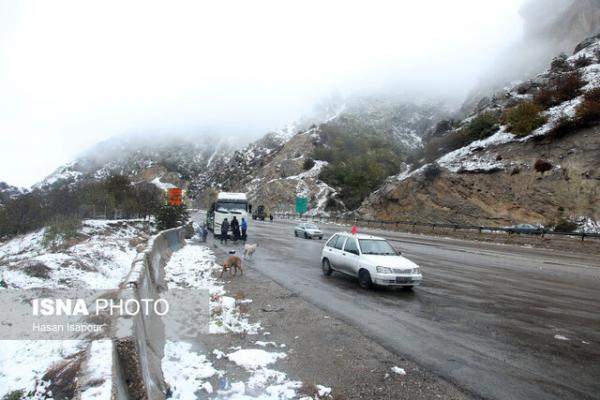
<point>231,206</point>
<point>378,247</point>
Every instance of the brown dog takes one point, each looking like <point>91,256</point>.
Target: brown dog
<point>232,262</point>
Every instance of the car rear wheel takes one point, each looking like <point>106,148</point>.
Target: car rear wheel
<point>326,267</point>
<point>364,279</point>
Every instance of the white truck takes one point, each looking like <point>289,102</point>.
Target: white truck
<point>227,206</point>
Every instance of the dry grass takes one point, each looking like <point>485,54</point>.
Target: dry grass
<point>37,269</point>
<point>63,376</point>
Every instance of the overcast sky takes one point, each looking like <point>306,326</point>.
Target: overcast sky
<point>73,73</point>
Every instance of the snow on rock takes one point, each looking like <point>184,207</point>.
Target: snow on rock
<point>398,370</point>
<point>587,225</point>
<point>464,159</point>
<point>254,358</point>
<point>561,337</point>
<point>566,109</point>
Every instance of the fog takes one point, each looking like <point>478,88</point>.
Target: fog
<point>73,73</point>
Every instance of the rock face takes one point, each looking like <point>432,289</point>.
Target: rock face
<point>516,194</point>
<point>503,179</point>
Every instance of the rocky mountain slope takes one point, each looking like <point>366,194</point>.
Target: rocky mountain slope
<point>273,169</point>
<point>279,166</point>
<point>537,163</point>
<point>8,192</point>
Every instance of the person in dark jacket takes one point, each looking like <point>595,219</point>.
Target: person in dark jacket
<point>204,232</point>
<point>224,230</point>
<point>271,217</point>
<point>235,229</point>
<point>244,227</point>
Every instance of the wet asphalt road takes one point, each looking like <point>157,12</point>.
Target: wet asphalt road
<point>485,317</point>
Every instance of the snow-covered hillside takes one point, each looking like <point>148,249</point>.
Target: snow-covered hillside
<point>98,258</point>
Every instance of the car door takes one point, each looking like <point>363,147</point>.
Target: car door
<point>350,257</point>
<point>334,251</point>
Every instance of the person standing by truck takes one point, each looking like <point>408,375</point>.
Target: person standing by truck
<point>235,229</point>
<point>224,230</point>
<point>244,227</point>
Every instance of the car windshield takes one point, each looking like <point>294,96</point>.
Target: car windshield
<point>378,247</point>
<point>311,226</point>
<point>225,206</point>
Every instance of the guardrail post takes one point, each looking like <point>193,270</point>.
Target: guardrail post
<point>433,227</point>
<point>582,236</point>
<point>480,229</point>
<point>455,227</point>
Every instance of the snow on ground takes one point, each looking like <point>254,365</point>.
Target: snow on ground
<point>99,261</point>
<point>254,358</point>
<point>561,337</point>
<point>189,373</point>
<point>99,369</point>
<point>24,362</point>
<point>194,267</point>
<point>398,370</point>
<point>186,371</point>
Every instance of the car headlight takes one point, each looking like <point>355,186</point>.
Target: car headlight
<point>416,271</point>
<point>384,270</point>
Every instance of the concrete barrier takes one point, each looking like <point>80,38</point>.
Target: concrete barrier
<point>139,341</point>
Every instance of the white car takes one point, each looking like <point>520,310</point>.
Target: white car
<point>308,231</point>
<point>369,258</point>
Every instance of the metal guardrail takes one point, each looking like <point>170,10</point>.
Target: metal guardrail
<point>390,224</point>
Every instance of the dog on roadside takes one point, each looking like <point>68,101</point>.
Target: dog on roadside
<point>249,249</point>
<point>232,262</point>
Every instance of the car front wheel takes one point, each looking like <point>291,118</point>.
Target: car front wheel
<point>364,279</point>
<point>305,235</point>
<point>326,268</point>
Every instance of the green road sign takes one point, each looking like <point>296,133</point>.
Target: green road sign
<point>301,205</point>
